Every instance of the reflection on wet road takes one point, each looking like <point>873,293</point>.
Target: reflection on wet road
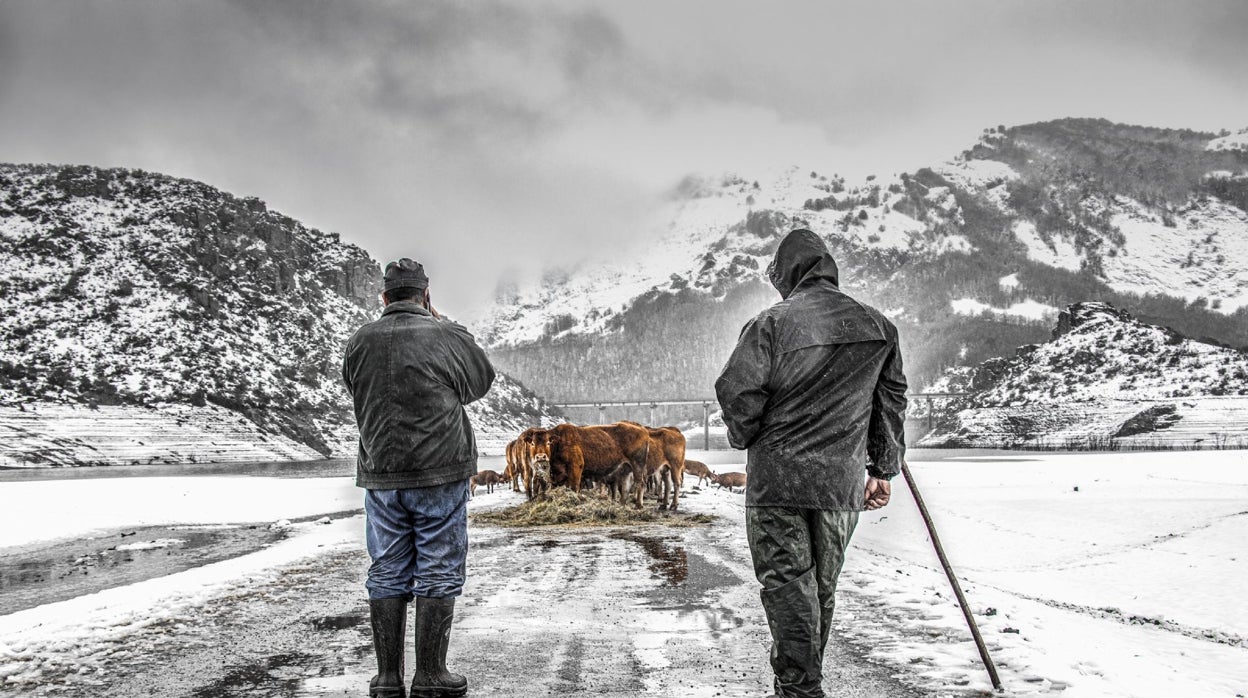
<point>618,612</point>
<point>670,559</point>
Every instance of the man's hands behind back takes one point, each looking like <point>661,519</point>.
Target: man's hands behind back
<point>877,493</point>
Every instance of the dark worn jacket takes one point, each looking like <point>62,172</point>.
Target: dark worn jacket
<point>410,375</point>
<point>814,388</point>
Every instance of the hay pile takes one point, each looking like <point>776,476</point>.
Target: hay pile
<point>563,507</point>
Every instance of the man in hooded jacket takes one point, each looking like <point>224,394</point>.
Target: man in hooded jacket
<point>814,388</point>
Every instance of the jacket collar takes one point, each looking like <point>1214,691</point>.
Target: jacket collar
<point>405,307</point>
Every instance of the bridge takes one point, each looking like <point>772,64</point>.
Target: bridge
<point>706,403</point>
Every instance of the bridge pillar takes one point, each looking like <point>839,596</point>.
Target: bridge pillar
<point>706,426</point>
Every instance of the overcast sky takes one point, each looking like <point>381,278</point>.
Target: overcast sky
<point>482,136</point>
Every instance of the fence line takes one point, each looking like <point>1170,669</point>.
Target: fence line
<point>706,403</point>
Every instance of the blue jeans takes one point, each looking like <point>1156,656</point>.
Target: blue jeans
<point>418,540</point>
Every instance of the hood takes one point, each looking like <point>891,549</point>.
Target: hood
<point>802,259</point>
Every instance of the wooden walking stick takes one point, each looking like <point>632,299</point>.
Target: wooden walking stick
<point>953,580</point>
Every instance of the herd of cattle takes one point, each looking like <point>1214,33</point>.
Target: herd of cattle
<point>626,459</point>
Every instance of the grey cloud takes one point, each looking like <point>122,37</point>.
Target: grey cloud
<point>441,129</point>
<point>432,61</point>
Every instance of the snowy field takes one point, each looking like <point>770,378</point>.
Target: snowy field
<point>1133,584</point>
<point>1130,585</point>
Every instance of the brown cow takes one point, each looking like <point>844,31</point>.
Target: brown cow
<point>533,484</point>
<point>667,449</point>
<point>698,468</point>
<point>489,478</point>
<point>517,456</point>
<point>509,457</point>
<point>730,480</point>
<point>661,484</point>
<point>617,483</point>
<point>567,453</point>
<point>540,475</point>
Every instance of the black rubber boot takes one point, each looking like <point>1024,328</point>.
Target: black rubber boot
<point>433,636</point>
<point>389,617</point>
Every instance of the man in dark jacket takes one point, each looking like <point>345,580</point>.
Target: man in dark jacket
<point>410,373</point>
<point>813,388</point>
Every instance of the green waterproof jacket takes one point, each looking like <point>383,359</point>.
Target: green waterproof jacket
<point>814,388</point>
<point>410,375</point>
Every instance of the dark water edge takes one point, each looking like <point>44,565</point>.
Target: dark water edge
<point>35,574</point>
<point>345,467</point>
<point>46,571</point>
<point>338,467</point>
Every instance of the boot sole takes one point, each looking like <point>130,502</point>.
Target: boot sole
<point>437,692</point>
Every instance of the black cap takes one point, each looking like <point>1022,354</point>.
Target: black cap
<point>405,273</point>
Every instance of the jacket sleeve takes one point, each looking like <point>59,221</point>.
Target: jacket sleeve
<point>886,435</point>
<point>469,371</point>
<point>346,366</point>
<point>742,386</point>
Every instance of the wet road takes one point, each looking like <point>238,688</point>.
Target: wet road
<point>643,611</point>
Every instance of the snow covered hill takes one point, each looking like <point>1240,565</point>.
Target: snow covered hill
<point>971,258</point>
<point>147,296</point>
<point>1104,380</point>
<point>1230,141</point>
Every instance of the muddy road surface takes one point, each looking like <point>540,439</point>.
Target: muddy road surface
<point>650,611</point>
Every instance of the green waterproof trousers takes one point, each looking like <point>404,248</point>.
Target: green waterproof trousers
<point>798,554</point>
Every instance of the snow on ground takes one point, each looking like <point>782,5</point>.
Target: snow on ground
<point>150,544</point>
<point>976,174</point>
<point>1196,256</point>
<point>1056,252</point>
<point>968,306</point>
<point>1234,141</point>
<point>1027,309</point>
<point>1200,422</point>
<point>89,632</point>
<point>1107,574</point>
<point>52,509</point>
<point>42,435</point>
<point>984,176</point>
<point>1131,585</point>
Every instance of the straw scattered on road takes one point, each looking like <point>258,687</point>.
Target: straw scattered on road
<point>563,507</point>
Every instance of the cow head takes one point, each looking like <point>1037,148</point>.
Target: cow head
<point>541,444</point>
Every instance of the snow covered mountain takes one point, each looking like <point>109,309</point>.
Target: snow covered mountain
<point>171,321</point>
<point>1104,379</point>
<point>972,258</point>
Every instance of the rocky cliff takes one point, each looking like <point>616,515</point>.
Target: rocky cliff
<point>131,290</point>
<point>1104,380</point>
